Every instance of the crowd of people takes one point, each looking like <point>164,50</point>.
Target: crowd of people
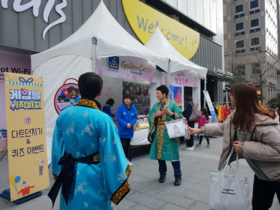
<point>89,153</point>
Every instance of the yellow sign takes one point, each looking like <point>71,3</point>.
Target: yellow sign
<point>144,20</point>
<point>28,168</point>
<point>131,66</point>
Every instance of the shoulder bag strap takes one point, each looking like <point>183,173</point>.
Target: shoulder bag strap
<point>260,125</point>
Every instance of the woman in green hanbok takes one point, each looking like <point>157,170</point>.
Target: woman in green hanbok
<point>163,148</point>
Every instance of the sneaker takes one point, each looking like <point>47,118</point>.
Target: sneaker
<point>190,148</point>
<point>208,146</point>
<point>198,145</point>
<point>161,179</point>
<point>129,163</point>
<point>177,181</point>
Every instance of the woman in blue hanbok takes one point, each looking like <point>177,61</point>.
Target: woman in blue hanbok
<point>87,155</point>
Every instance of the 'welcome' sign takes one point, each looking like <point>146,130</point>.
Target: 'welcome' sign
<point>144,20</point>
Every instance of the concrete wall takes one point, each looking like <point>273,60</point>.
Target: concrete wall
<point>24,31</point>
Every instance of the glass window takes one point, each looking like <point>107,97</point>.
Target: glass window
<point>239,8</point>
<point>256,69</point>
<point>240,44</point>
<point>255,41</point>
<point>239,26</point>
<point>255,23</point>
<point>254,4</point>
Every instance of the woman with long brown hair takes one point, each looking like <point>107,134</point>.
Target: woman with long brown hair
<point>253,131</point>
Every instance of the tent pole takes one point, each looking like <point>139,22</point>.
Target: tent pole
<point>205,88</point>
<point>168,75</point>
<point>93,54</point>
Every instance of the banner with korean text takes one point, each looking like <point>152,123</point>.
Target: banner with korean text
<point>210,106</point>
<point>28,169</point>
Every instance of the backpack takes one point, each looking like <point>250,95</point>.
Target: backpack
<point>195,113</point>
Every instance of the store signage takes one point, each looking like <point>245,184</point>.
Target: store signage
<point>128,68</point>
<point>27,154</point>
<point>183,78</point>
<point>144,20</point>
<point>218,71</point>
<point>35,5</point>
<point>229,74</point>
<point>113,63</point>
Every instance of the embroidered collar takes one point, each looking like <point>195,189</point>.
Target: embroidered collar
<point>89,103</point>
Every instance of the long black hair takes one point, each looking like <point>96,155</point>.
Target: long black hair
<point>204,111</point>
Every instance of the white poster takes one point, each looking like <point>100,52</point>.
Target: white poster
<point>111,89</point>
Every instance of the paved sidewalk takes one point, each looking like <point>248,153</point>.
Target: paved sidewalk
<point>146,192</point>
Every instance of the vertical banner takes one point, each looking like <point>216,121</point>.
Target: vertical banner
<point>14,64</point>
<point>210,106</point>
<point>28,164</point>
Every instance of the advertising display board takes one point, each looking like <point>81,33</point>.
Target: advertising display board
<point>27,152</point>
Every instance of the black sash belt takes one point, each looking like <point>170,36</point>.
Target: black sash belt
<point>67,174</point>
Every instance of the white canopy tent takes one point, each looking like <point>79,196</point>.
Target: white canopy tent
<point>160,46</point>
<point>100,36</point>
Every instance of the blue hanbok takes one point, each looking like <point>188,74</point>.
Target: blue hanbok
<point>84,132</point>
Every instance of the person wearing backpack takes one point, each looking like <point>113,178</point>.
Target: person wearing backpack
<point>203,120</point>
<point>187,113</point>
<point>254,133</point>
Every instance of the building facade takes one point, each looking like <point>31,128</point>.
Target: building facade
<point>251,43</point>
<point>33,27</point>
<point>209,14</point>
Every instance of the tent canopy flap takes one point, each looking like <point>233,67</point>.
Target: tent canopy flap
<point>160,46</point>
<point>112,40</point>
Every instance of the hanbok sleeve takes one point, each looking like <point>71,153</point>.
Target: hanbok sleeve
<point>57,149</point>
<point>114,166</point>
<point>152,115</point>
<point>177,111</point>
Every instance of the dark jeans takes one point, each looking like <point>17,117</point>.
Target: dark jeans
<point>126,146</point>
<point>263,193</point>
<point>176,166</point>
<point>189,142</point>
<point>201,138</point>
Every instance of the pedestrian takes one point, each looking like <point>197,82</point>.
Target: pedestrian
<point>253,131</point>
<point>107,107</point>
<point>187,113</point>
<point>163,148</point>
<point>203,120</point>
<point>127,116</point>
<point>87,156</point>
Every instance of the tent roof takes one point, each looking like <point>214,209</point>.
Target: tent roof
<point>112,40</point>
<point>160,46</point>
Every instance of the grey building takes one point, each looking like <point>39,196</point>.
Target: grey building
<point>33,27</point>
<point>251,43</point>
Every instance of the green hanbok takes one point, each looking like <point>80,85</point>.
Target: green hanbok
<point>164,148</point>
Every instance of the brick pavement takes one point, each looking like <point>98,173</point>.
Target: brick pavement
<point>146,192</point>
